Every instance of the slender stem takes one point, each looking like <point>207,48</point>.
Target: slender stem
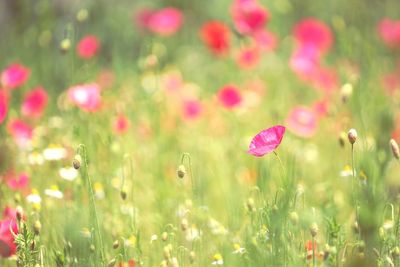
<point>352,162</point>
<point>313,251</point>
<point>83,153</point>
<point>191,173</point>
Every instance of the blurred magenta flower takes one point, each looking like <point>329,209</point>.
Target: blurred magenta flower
<point>3,105</point>
<point>266,141</point>
<point>389,31</point>
<point>20,131</point>
<point>14,76</point>
<point>315,33</point>
<point>7,245</point>
<point>248,57</point>
<point>191,109</point>
<point>305,61</point>
<point>302,121</point>
<point>85,96</point>
<point>121,124</point>
<point>88,47</point>
<point>35,102</point>
<point>216,36</point>
<point>229,96</point>
<point>165,22</point>
<point>249,16</point>
<point>18,182</point>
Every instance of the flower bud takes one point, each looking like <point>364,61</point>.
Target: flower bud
<point>342,139</point>
<point>294,217</point>
<point>123,194</point>
<point>314,229</point>
<point>65,45</point>
<point>352,135</point>
<point>77,162</point>
<point>37,227</point>
<point>192,256</point>
<point>164,236</point>
<point>184,224</point>
<point>111,263</point>
<point>250,205</point>
<point>395,148</point>
<point>181,171</point>
<point>115,244</point>
<point>19,213</point>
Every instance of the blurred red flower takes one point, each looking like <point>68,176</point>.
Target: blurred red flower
<point>88,47</point>
<point>216,37</point>
<point>121,124</point>
<point>266,141</point>
<point>20,131</point>
<point>35,102</point>
<point>229,96</point>
<point>3,105</point>
<point>249,16</point>
<point>14,76</point>
<point>389,31</point>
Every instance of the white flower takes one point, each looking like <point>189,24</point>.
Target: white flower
<point>68,173</point>
<point>34,198</point>
<point>153,238</point>
<point>217,259</point>
<point>193,234</point>
<point>54,152</point>
<point>346,172</point>
<point>54,192</point>
<point>238,249</point>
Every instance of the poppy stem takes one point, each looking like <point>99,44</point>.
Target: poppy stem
<point>280,163</point>
<point>84,171</point>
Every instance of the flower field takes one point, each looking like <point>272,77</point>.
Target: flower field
<point>200,133</point>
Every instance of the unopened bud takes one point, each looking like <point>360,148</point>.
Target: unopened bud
<point>111,263</point>
<point>65,45</point>
<point>33,245</point>
<point>314,229</point>
<point>123,194</point>
<point>395,148</point>
<point>294,217</point>
<point>250,204</point>
<point>82,15</point>
<point>342,139</point>
<point>346,91</point>
<point>184,224</point>
<point>115,244</point>
<point>37,227</point>
<point>77,162</point>
<point>192,256</point>
<point>19,213</point>
<point>92,248</point>
<point>181,171</point>
<point>164,236</point>
<point>352,135</point>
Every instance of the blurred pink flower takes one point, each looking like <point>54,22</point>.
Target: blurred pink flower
<point>321,107</point>
<point>3,105</point>
<point>305,61</point>
<point>121,124</point>
<point>191,109</point>
<point>229,96</point>
<point>265,40</point>
<point>14,76</point>
<point>18,182</point>
<point>248,57</point>
<point>165,22</point>
<point>390,82</point>
<point>20,131</point>
<point>266,141</point>
<point>88,46</point>
<point>313,32</point>
<point>302,121</point>
<point>389,31</point>
<point>249,16</point>
<point>216,36</point>
<point>7,245</point>
<point>85,96</point>
<point>35,102</point>
<point>326,80</point>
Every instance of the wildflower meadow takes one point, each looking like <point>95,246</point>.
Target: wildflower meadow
<point>199,133</point>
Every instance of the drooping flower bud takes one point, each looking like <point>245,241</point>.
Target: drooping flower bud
<point>352,135</point>
<point>395,148</point>
<point>77,162</point>
<point>314,229</point>
<point>181,171</point>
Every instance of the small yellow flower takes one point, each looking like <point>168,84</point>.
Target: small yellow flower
<point>217,259</point>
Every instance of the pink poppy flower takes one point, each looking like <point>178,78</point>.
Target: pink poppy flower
<point>216,37</point>
<point>229,96</point>
<point>19,182</point>
<point>265,40</point>
<point>249,16</point>
<point>121,124</point>
<point>389,31</point>
<point>302,121</point>
<point>14,76</point>
<point>88,46</point>
<point>165,22</point>
<point>3,105</point>
<point>85,96</point>
<point>7,245</point>
<point>266,141</point>
<point>20,131</point>
<point>35,102</point>
<point>191,109</point>
<point>326,80</point>
<point>248,57</point>
<point>9,213</point>
<point>142,17</point>
<point>313,32</point>
<point>305,61</point>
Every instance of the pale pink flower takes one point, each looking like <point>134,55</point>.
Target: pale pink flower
<point>3,105</point>
<point>35,102</point>
<point>229,96</point>
<point>248,57</point>
<point>20,131</point>
<point>85,96</point>
<point>265,40</point>
<point>302,121</point>
<point>191,109</point>
<point>266,141</point>
<point>389,31</point>
<point>18,182</point>
<point>326,80</point>
<point>14,76</point>
<point>165,22</point>
<point>88,46</point>
<point>249,16</point>
<point>313,32</point>
<point>305,61</point>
